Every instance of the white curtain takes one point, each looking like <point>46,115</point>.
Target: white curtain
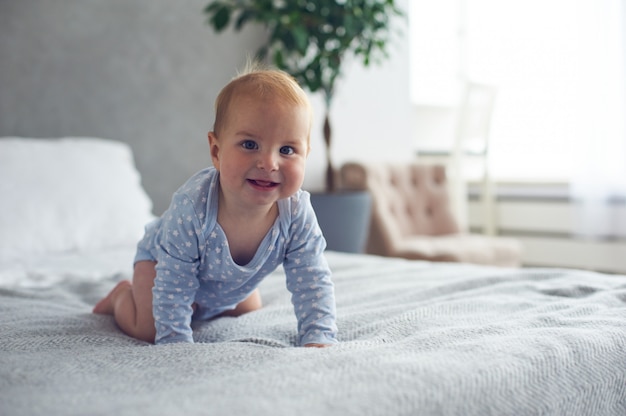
<point>599,179</point>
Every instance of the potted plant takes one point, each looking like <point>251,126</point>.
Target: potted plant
<point>311,40</point>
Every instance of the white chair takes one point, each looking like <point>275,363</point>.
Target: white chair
<point>471,145</point>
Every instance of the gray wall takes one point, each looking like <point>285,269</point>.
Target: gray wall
<point>144,72</point>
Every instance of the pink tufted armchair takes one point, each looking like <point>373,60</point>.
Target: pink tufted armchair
<point>412,218</point>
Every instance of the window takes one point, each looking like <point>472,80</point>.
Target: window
<point>559,67</point>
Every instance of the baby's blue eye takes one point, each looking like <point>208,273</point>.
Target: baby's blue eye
<point>287,150</point>
<point>249,145</point>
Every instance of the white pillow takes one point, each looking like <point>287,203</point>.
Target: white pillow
<point>68,195</point>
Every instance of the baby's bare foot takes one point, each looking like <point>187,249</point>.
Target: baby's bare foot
<point>105,306</point>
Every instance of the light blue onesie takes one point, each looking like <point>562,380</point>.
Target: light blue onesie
<point>194,263</point>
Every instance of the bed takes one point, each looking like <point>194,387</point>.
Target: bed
<point>415,337</point>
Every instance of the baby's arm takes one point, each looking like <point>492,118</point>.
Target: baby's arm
<point>309,281</point>
<point>176,280</point>
<point>173,296</point>
<point>314,304</point>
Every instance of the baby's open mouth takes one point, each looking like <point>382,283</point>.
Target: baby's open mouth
<point>262,184</point>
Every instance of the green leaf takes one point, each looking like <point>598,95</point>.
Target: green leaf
<point>221,18</point>
<point>243,18</point>
<point>279,60</point>
<point>301,38</point>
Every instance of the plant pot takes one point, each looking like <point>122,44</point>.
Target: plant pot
<point>344,218</point>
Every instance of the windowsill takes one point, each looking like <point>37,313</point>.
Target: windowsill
<point>549,191</point>
<point>545,191</point>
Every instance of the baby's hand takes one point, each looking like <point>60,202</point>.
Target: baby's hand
<point>313,345</point>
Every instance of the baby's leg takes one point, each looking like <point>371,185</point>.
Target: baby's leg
<point>251,303</point>
<point>131,304</point>
<point>105,305</point>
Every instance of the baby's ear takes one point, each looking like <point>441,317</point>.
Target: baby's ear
<point>214,148</point>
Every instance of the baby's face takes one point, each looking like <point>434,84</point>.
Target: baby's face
<point>261,151</point>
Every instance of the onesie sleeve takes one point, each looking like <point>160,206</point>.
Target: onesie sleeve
<point>176,283</point>
<point>309,277</point>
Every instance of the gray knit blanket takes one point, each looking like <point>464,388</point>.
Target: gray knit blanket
<point>416,339</point>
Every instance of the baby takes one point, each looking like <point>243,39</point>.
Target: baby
<point>230,225</point>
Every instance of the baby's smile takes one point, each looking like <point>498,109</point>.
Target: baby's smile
<point>262,183</point>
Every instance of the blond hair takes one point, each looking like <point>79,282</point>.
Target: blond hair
<point>262,83</point>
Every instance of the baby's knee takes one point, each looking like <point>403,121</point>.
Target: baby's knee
<point>255,300</point>
<point>251,303</point>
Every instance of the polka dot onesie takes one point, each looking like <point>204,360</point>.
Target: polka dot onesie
<point>194,263</point>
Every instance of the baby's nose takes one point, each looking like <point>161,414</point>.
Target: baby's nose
<point>267,161</point>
